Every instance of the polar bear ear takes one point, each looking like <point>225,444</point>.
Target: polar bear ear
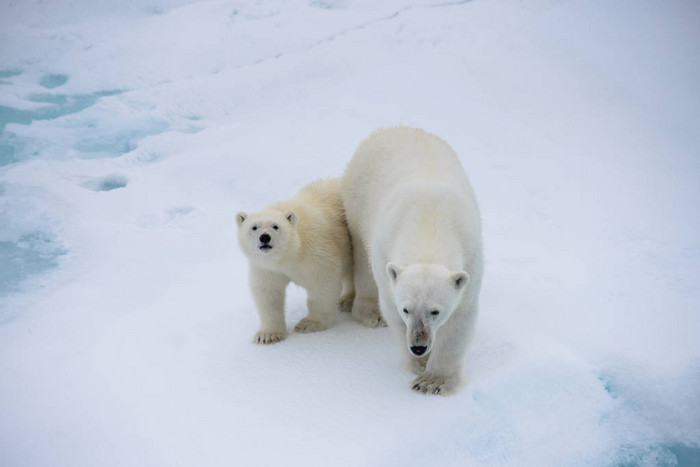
<point>459,279</point>
<point>240,217</point>
<point>291,217</point>
<point>393,271</point>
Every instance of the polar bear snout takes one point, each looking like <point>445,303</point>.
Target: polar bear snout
<point>418,338</point>
<point>264,242</point>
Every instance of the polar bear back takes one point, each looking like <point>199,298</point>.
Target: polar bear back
<point>394,155</point>
<point>321,227</point>
<point>399,175</point>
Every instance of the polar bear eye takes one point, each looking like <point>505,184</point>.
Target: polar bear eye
<point>255,227</point>
<point>275,227</point>
<point>434,312</point>
<point>405,310</point>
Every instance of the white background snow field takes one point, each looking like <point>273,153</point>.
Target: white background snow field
<point>131,132</point>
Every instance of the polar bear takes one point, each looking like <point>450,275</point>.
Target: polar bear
<point>303,240</point>
<point>416,230</point>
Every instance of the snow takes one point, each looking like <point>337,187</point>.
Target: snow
<point>132,132</point>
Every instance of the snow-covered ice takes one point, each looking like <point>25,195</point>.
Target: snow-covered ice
<point>133,131</point>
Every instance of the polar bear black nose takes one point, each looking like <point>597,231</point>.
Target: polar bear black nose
<point>418,349</point>
<point>265,238</point>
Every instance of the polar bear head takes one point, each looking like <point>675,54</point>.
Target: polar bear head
<point>267,236</point>
<point>425,295</point>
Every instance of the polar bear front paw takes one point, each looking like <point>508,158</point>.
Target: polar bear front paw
<point>269,337</point>
<point>309,325</point>
<point>434,384</point>
<point>417,365</point>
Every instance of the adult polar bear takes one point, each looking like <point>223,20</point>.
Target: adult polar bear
<point>415,227</point>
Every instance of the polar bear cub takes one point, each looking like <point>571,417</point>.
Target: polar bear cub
<point>416,230</point>
<point>303,240</point>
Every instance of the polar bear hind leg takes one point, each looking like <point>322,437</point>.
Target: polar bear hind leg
<point>322,304</point>
<point>347,295</point>
<point>365,308</point>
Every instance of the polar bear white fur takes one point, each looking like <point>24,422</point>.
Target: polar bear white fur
<point>303,240</point>
<point>416,229</point>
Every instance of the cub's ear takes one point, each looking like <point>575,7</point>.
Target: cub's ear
<point>291,217</point>
<point>393,271</point>
<point>459,279</point>
<point>240,217</point>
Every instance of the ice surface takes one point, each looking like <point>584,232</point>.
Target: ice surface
<point>108,183</point>
<point>58,105</point>
<point>32,254</point>
<point>53,81</point>
<point>132,132</point>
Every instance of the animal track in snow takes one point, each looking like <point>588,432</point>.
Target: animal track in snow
<point>173,217</point>
<point>107,183</point>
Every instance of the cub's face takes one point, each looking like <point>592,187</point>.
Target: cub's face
<point>266,234</point>
<point>426,295</point>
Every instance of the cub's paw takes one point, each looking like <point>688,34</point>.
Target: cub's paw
<point>345,303</point>
<point>367,313</point>
<point>434,384</point>
<point>308,325</point>
<point>373,321</point>
<point>269,337</point>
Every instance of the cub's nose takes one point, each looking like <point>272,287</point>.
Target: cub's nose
<point>265,238</point>
<point>418,349</point>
